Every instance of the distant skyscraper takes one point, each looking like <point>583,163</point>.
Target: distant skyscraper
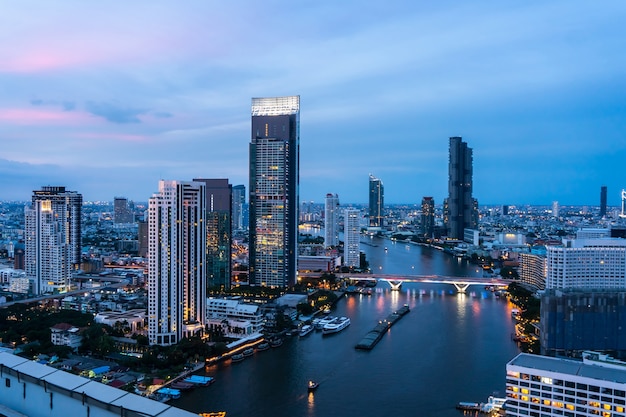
<point>53,238</point>
<point>555,209</point>
<point>460,205</point>
<point>351,238</point>
<point>176,262</point>
<point>121,211</point>
<point>274,191</point>
<point>219,231</point>
<point>428,216</point>
<point>376,202</point>
<point>603,201</point>
<point>239,199</point>
<point>331,220</point>
<point>505,210</point>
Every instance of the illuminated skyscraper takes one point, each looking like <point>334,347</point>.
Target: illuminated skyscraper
<point>274,190</point>
<point>331,220</point>
<point>428,217</point>
<point>351,238</point>
<point>376,203</point>
<point>239,200</point>
<point>219,231</point>
<point>53,238</point>
<point>176,261</point>
<point>460,206</point>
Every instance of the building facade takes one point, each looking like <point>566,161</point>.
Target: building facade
<point>121,211</point>
<point>376,203</point>
<point>53,238</point>
<point>532,270</point>
<point>331,220</point>
<point>539,386</point>
<point>603,201</point>
<point>587,264</point>
<point>274,191</point>
<point>239,201</point>
<point>428,217</point>
<point>351,238</point>
<point>176,261</point>
<point>460,206</point>
<point>219,231</point>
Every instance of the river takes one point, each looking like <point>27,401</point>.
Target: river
<point>450,347</point>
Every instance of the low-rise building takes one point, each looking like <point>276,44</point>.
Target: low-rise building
<point>65,334</point>
<point>236,318</point>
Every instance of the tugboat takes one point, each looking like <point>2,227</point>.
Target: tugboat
<point>312,386</point>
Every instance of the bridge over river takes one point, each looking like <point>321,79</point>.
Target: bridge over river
<point>461,283</point>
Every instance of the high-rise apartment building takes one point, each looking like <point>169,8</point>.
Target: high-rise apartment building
<point>351,238</point>
<point>543,386</point>
<point>603,201</point>
<point>555,209</point>
<point>376,203</point>
<point>587,264</point>
<point>176,261</point>
<point>219,231</point>
<point>428,217</point>
<point>274,191</point>
<point>53,238</point>
<point>532,270</point>
<point>239,200</point>
<point>460,206</point>
<point>331,220</point>
<point>121,211</point>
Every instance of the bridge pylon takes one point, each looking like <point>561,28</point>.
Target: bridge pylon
<point>461,286</point>
<point>395,285</point>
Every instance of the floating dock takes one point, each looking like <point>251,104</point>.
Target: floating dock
<point>373,336</point>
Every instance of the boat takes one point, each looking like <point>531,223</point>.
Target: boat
<point>464,405</point>
<point>306,329</point>
<point>238,357</point>
<point>276,342</point>
<point>170,392</point>
<point>323,322</point>
<point>337,325</point>
<point>248,352</point>
<point>199,380</point>
<point>182,385</point>
<point>312,385</point>
<point>263,346</point>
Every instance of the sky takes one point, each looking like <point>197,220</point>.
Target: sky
<point>108,98</point>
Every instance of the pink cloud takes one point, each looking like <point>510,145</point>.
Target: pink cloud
<point>121,137</point>
<point>20,116</point>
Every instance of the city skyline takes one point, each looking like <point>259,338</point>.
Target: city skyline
<point>104,101</point>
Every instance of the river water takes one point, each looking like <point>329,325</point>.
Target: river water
<point>450,347</point>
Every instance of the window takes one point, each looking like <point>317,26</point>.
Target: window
<point>7,382</point>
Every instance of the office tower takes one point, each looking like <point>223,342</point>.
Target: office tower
<point>331,220</point>
<point>532,270</point>
<point>623,212</point>
<point>351,238</point>
<point>555,209</point>
<point>587,264</point>
<point>121,211</point>
<point>428,217</point>
<point>603,201</point>
<point>376,203</point>
<point>176,261</point>
<point>575,320</point>
<point>461,207</point>
<point>505,210</point>
<point>239,200</point>
<point>219,231</point>
<point>53,238</point>
<point>142,238</point>
<point>544,386</point>
<point>274,188</point>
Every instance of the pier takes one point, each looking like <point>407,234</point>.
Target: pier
<point>373,337</point>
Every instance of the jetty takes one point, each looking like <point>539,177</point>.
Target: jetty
<point>373,336</point>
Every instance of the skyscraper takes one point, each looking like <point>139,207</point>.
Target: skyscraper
<point>53,238</point>
<point>428,217</point>
<point>460,205</point>
<point>603,201</point>
<point>219,231</point>
<point>331,220</point>
<point>351,238</point>
<point>239,200</point>
<point>376,203</point>
<point>176,261</point>
<point>121,211</point>
<point>274,190</point>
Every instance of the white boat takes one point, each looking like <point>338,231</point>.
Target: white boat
<point>336,325</point>
<point>323,322</point>
<point>306,329</point>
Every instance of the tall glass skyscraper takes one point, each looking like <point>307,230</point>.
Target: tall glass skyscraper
<point>376,203</point>
<point>603,201</point>
<point>351,238</point>
<point>219,231</point>
<point>239,200</point>
<point>274,190</point>
<point>331,220</point>
<point>176,262</point>
<point>459,206</point>
<point>53,238</point>
<point>428,217</point>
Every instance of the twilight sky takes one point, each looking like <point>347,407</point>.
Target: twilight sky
<point>106,98</point>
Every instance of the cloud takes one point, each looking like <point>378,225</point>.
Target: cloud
<point>114,113</point>
<point>162,115</point>
<point>66,105</point>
